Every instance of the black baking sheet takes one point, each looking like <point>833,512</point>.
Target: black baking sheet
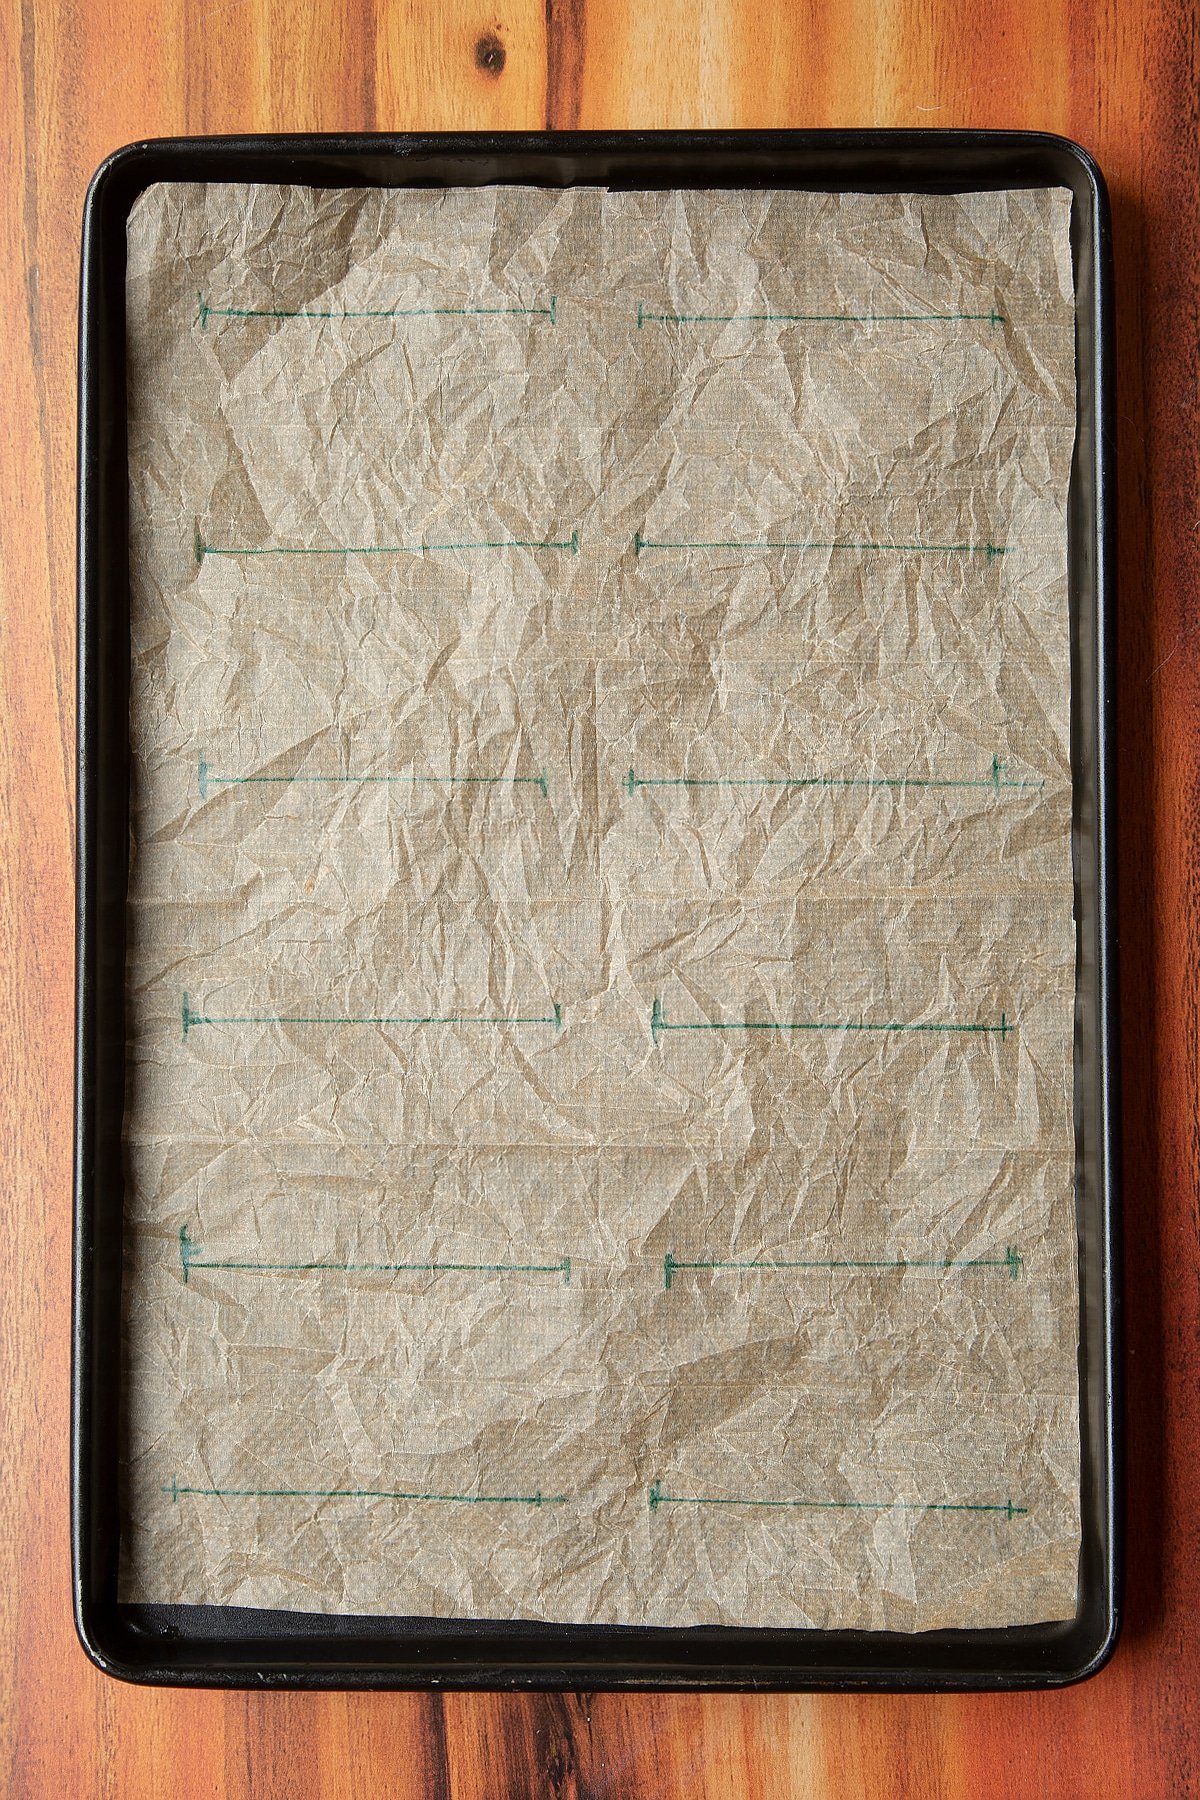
<point>237,1646</point>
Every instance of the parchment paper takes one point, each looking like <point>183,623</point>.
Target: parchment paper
<point>601,958</point>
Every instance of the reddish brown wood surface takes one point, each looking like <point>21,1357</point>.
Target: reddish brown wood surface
<point>83,76</point>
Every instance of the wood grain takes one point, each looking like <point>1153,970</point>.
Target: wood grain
<point>81,77</point>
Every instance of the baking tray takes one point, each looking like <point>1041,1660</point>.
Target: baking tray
<point>240,1647</point>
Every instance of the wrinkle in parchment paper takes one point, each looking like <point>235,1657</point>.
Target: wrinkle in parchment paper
<point>601,963</point>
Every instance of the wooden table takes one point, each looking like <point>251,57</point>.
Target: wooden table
<point>83,76</point>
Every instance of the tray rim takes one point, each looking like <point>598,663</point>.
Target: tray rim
<point>152,1645</point>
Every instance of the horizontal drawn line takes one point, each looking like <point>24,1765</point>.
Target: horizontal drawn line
<point>640,543</point>
<point>204,549</point>
<point>659,1024</point>
<point>1006,1510</point>
<point>190,1258</point>
<point>206,779</point>
<point>1010,1261</point>
<point>785,318</point>
<point>176,1489</point>
<point>996,780</point>
<point>207,312</point>
<point>192,1019</point>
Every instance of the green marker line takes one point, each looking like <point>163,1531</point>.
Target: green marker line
<point>190,1258</point>
<point>176,1488</point>
<point>206,779</point>
<point>785,318</point>
<point>659,1024</point>
<point>1011,1260</point>
<point>192,1019</point>
<point>641,543</point>
<point>995,779</point>
<point>203,549</point>
<point>1007,1510</point>
<point>207,312</point>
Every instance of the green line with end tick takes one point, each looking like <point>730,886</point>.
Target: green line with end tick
<point>203,549</point>
<point>640,543</point>
<point>207,312</point>
<point>176,1489</point>
<point>995,779</point>
<point>192,1019</point>
<point>1011,1261</point>
<point>1006,1510</point>
<point>659,1024</point>
<point>206,779</point>
<point>191,1257</point>
<point>785,318</point>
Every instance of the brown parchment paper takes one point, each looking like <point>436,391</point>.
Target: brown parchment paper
<point>601,959</point>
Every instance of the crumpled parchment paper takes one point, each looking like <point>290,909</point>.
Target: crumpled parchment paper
<point>601,959</point>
